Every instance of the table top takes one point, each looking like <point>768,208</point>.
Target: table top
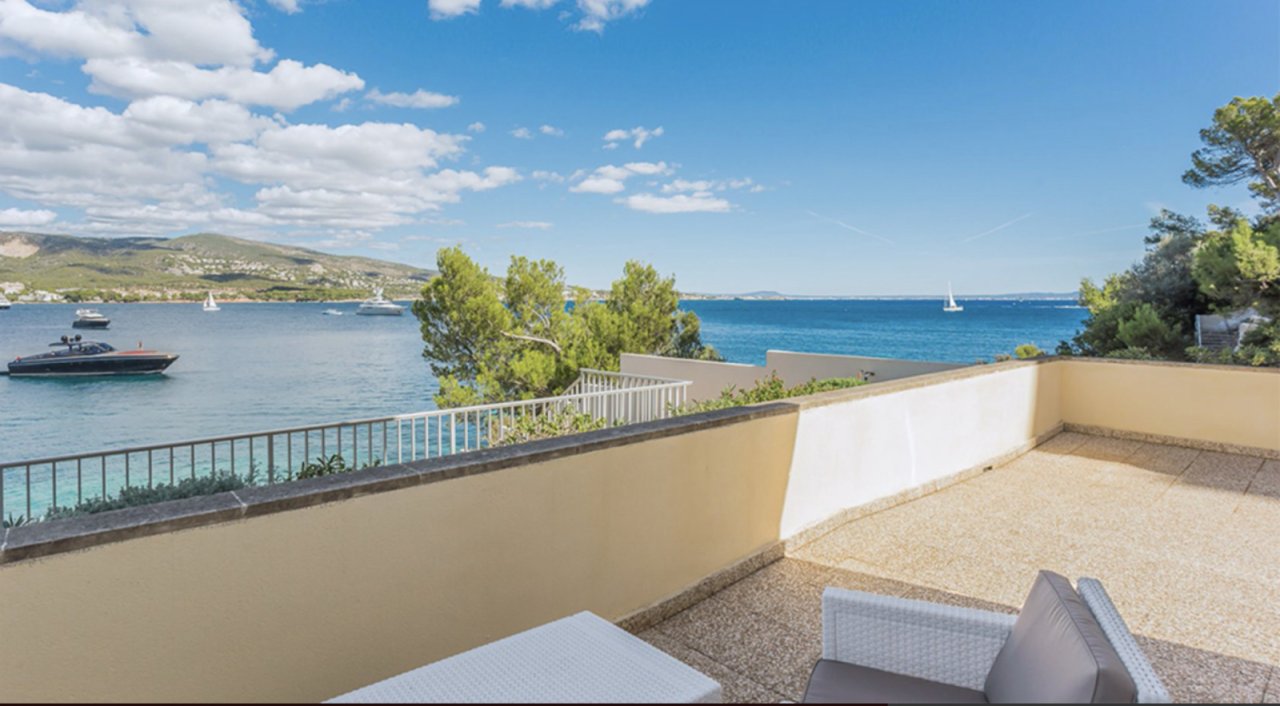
<point>581,658</point>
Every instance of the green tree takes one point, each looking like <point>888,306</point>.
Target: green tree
<point>1027,351</point>
<point>491,339</point>
<point>1239,267</point>
<point>1242,144</point>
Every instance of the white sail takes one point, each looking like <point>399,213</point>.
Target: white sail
<point>210,304</point>
<point>951,304</point>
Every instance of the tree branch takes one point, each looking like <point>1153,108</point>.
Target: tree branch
<point>535,339</point>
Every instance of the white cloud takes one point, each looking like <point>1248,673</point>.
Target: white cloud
<point>531,225</point>
<point>287,86</point>
<point>530,4</point>
<point>596,13</point>
<point>194,31</point>
<point>476,127</point>
<point>286,6</point>
<point>598,185</point>
<point>609,178</point>
<point>448,9</point>
<point>417,99</point>
<point>522,133</point>
<point>551,130</point>
<point>20,218</point>
<point>543,175</point>
<point>639,136</point>
<point>701,201</point>
<point>682,185</point>
<point>178,121</point>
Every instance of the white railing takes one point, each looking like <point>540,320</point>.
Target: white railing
<point>590,380</point>
<point>37,485</point>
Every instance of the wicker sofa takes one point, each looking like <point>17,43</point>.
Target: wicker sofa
<point>1067,645</point>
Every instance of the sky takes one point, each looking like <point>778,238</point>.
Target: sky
<point>809,147</point>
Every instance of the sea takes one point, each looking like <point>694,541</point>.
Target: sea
<point>260,366</point>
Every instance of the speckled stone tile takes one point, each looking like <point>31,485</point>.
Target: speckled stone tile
<point>1063,443</point>
<point>735,688</point>
<point>1231,473</point>
<point>749,643</point>
<point>1199,676</point>
<point>1104,448</point>
<point>1158,458</point>
<point>1272,694</point>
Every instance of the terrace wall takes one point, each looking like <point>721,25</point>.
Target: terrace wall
<point>710,378</point>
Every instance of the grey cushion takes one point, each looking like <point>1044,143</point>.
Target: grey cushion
<point>1058,653</point>
<point>838,683</point>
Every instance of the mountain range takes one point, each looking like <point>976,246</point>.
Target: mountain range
<point>185,268</point>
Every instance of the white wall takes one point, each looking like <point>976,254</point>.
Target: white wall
<point>878,441</point>
<point>709,378</point>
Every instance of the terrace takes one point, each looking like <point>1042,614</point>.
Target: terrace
<point>709,535</point>
<point>1184,538</point>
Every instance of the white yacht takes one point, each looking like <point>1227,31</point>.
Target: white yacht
<point>4,302</point>
<point>90,318</point>
<point>951,304</point>
<point>210,304</point>
<point>379,306</point>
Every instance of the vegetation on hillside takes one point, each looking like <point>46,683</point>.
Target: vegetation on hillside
<point>1190,268</point>
<point>493,339</point>
<point>184,269</point>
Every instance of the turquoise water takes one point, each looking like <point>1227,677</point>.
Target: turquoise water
<point>254,367</point>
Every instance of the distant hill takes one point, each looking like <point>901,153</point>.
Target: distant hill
<point>83,269</point>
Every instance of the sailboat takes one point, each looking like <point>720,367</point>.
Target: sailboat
<point>4,301</point>
<point>951,304</point>
<point>210,304</point>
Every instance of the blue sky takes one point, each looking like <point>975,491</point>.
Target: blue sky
<point>806,147</point>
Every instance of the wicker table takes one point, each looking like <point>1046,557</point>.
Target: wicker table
<point>581,658</point>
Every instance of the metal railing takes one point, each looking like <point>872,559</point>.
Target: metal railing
<point>591,380</point>
<point>31,487</point>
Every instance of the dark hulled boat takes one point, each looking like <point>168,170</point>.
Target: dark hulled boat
<point>77,357</point>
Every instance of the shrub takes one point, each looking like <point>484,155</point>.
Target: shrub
<point>330,466</point>
<point>132,497</point>
<point>769,389</point>
<point>534,427</point>
<point>1026,351</point>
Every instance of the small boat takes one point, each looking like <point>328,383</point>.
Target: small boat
<point>210,304</point>
<point>951,304</point>
<point>4,302</point>
<point>379,306</point>
<point>332,312</point>
<point>90,318</point>
<point>77,357</point>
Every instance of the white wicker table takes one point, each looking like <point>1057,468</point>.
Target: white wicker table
<point>581,658</point>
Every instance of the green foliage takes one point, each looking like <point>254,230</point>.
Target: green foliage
<point>1239,267</point>
<point>332,465</point>
<point>531,427</point>
<point>1242,144</point>
<point>770,389</point>
<point>1027,350</point>
<point>12,521</point>
<point>132,497</point>
<point>493,339</point>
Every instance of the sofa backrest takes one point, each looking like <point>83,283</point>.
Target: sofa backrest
<point>1057,652</point>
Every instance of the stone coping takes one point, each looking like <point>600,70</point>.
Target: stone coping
<point>876,389</point>
<point>42,539</point>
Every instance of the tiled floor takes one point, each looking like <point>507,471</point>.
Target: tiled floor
<point>1186,542</point>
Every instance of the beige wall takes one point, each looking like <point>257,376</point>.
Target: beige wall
<point>1216,404</point>
<point>710,378</point>
<point>307,604</point>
